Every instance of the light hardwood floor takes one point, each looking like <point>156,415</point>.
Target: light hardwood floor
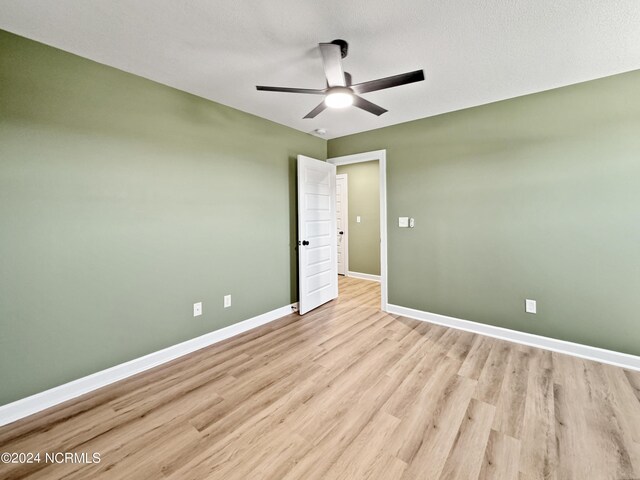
<point>349,392</point>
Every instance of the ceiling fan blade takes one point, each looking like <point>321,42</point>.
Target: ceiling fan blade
<point>367,106</point>
<point>388,82</point>
<point>290,90</point>
<point>332,61</point>
<point>316,111</point>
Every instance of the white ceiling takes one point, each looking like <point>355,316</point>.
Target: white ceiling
<point>472,51</point>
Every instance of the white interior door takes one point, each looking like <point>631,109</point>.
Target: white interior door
<point>342,221</point>
<point>317,243</point>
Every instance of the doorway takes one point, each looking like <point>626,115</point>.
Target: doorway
<point>361,213</point>
<point>379,157</point>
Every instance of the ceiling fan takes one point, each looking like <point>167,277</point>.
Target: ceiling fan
<point>340,92</point>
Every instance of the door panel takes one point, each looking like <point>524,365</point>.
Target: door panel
<point>342,215</point>
<point>317,249</point>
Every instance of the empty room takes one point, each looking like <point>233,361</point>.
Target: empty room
<point>320,240</point>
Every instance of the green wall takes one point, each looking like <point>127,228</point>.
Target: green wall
<point>535,197</point>
<point>123,202</point>
<point>363,189</point>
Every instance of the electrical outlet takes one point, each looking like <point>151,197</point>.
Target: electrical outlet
<point>530,306</point>
<point>197,309</point>
<point>227,301</point>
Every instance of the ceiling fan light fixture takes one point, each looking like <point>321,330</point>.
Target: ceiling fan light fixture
<point>340,91</point>
<point>339,97</point>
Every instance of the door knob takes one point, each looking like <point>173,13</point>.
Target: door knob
<point>341,233</point>
<point>305,242</point>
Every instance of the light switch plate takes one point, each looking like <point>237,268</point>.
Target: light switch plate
<point>530,306</point>
<point>358,219</point>
<point>227,301</point>
<point>403,222</point>
<point>197,309</point>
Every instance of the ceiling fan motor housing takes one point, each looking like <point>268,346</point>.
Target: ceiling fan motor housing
<point>344,46</point>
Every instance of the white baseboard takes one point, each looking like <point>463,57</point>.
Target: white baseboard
<point>364,276</point>
<point>54,396</point>
<point>611,357</point>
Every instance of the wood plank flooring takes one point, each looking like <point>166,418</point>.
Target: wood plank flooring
<point>349,392</point>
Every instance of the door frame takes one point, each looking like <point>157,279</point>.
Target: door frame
<point>345,227</point>
<point>381,157</point>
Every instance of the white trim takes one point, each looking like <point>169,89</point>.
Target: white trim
<point>363,276</point>
<point>54,396</point>
<point>624,360</point>
<point>345,218</point>
<point>381,156</point>
<point>358,157</point>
